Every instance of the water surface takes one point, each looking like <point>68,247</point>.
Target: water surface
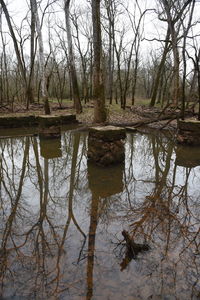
<point>61,220</point>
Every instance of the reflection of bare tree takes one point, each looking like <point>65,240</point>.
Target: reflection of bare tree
<point>59,240</point>
<point>44,233</point>
<point>39,236</point>
<point>166,218</point>
<point>72,183</point>
<point>71,216</point>
<point>162,201</point>
<point>91,245</point>
<point>103,183</point>
<point>8,243</point>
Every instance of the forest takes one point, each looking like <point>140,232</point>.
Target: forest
<point>99,149</point>
<point>99,53</point>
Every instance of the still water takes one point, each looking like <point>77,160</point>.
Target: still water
<point>61,220</point>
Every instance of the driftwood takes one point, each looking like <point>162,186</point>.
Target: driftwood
<point>164,115</point>
<point>166,124</point>
<point>143,122</point>
<point>135,247</point>
<point>132,249</point>
<point>135,124</point>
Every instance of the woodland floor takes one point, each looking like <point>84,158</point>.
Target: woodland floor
<point>132,116</point>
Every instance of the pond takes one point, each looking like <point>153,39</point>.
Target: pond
<point>62,218</point>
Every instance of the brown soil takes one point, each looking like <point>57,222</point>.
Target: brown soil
<point>36,109</point>
<point>131,116</point>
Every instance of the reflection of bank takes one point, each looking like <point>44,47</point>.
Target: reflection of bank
<point>188,132</point>
<point>103,182</point>
<point>187,156</point>
<point>50,148</point>
<point>50,136</point>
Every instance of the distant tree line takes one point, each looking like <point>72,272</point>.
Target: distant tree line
<point>101,50</point>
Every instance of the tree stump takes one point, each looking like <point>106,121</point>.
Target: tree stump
<point>106,145</point>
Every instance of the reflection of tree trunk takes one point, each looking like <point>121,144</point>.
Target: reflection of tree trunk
<point>71,189</point>
<point>38,166</point>
<point>161,175</point>
<point>11,217</point>
<point>72,180</point>
<point>91,245</point>
<point>46,190</point>
<point>155,155</point>
<point>4,250</point>
<point>70,205</point>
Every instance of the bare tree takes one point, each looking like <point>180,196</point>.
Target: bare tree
<point>160,69</point>
<point>137,24</point>
<point>185,36</point>
<point>4,84</point>
<point>196,63</point>
<point>42,59</point>
<point>16,47</point>
<point>111,51</point>
<point>75,88</point>
<point>83,28</point>
<point>30,88</point>
<point>172,13</point>
<point>98,81</point>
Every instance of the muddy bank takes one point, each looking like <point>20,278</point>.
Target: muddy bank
<point>18,121</point>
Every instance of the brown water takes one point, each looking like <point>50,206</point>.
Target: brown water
<point>61,220</point>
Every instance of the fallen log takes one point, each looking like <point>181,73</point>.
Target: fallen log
<point>143,122</point>
<point>132,249</point>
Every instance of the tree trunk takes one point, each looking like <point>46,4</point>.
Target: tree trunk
<point>186,30</point>
<point>198,78</point>
<point>17,51</point>
<point>174,18</point>
<point>42,62</point>
<point>160,69</point>
<point>75,88</point>
<point>98,82</point>
<point>135,72</point>
<point>4,83</point>
<point>110,14</point>
<point>30,87</point>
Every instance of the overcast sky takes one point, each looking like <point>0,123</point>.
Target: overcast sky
<point>153,28</point>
